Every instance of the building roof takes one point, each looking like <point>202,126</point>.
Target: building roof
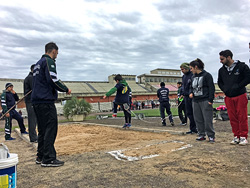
<point>159,75</point>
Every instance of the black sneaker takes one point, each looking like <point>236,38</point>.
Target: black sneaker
<point>54,163</point>
<point>172,123</point>
<point>211,140</point>
<point>201,138</point>
<point>164,124</point>
<point>11,138</point>
<point>191,132</point>
<point>38,160</point>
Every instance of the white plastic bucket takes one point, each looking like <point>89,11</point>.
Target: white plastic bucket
<point>8,171</point>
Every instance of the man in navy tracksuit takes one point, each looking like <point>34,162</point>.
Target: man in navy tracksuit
<point>8,100</point>
<point>162,94</point>
<point>186,81</point>
<point>44,94</point>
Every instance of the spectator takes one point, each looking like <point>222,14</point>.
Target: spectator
<point>232,80</point>
<point>27,86</point>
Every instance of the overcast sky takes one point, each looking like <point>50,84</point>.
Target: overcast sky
<point>97,38</point>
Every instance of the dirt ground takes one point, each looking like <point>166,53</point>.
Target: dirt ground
<point>84,148</point>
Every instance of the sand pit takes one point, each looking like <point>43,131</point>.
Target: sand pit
<point>75,139</point>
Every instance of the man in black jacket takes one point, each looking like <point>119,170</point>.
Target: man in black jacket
<point>43,97</point>
<point>162,94</point>
<point>186,81</point>
<point>232,80</point>
<point>27,86</point>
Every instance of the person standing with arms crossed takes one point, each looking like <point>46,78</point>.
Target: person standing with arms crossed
<point>186,81</point>
<point>44,94</point>
<point>27,86</point>
<point>232,80</point>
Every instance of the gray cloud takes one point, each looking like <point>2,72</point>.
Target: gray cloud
<point>124,42</point>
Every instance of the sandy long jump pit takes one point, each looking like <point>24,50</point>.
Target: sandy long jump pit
<point>123,144</point>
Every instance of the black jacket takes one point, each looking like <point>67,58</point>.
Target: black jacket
<point>202,87</point>
<point>27,86</point>
<point>162,94</point>
<point>234,84</point>
<point>186,82</point>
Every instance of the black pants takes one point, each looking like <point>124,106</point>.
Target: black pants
<point>31,121</point>
<point>163,106</point>
<point>189,112</point>
<point>127,113</point>
<point>47,130</point>
<point>181,111</point>
<point>8,123</point>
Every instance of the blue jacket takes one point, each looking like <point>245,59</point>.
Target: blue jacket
<point>8,100</point>
<point>162,94</point>
<point>45,82</point>
<point>186,83</point>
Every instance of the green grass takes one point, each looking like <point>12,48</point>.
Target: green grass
<point>156,112</point>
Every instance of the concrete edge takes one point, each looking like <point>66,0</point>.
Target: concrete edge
<point>135,128</point>
<point>25,137</point>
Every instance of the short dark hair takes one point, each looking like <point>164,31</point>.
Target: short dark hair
<point>197,63</point>
<point>118,77</point>
<point>162,84</point>
<point>32,67</point>
<point>50,46</point>
<point>180,83</point>
<point>226,53</point>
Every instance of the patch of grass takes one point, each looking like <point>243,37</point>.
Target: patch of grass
<point>13,127</point>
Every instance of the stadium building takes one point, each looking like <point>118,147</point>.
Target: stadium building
<point>92,91</point>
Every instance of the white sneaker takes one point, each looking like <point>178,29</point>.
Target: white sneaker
<point>236,140</point>
<point>243,141</point>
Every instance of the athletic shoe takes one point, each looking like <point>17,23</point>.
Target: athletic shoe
<point>9,139</point>
<point>211,140</point>
<point>54,163</point>
<point>172,123</point>
<point>183,124</point>
<point>191,132</point>
<point>243,141</point>
<point>201,138</point>
<point>236,140</point>
<point>125,125</point>
<point>129,125</point>
<point>25,132</point>
<point>38,160</point>
<point>164,124</point>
